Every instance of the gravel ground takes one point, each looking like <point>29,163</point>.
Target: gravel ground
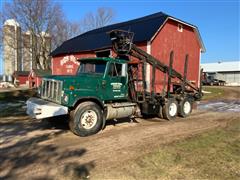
<point>46,149</point>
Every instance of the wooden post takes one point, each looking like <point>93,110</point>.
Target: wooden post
<point>153,80</point>
<point>144,79</point>
<point>185,73</point>
<point>170,73</point>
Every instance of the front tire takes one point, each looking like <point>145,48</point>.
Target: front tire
<point>170,109</point>
<point>86,119</point>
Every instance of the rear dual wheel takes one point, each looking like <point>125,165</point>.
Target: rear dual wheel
<point>172,108</point>
<point>185,107</point>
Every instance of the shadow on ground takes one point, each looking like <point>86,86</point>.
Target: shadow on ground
<point>120,121</point>
<point>24,150</point>
<point>13,103</point>
<point>13,127</point>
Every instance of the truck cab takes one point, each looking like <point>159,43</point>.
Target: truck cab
<point>100,79</point>
<point>98,91</point>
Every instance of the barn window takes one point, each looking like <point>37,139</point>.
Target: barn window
<point>180,28</point>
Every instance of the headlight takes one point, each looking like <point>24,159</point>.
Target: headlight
<point>39,91</point>
<point>65,98</point>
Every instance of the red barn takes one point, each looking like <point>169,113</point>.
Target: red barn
<point>35,77</point>
<point>158,34</point>
<point>21,77</point>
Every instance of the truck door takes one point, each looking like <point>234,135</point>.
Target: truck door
<point>116,81</point>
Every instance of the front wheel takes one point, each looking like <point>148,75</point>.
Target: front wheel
<point>86,119</point>
<point>170,109</point>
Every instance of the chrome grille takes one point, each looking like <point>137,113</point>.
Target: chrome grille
<point>51,90</point>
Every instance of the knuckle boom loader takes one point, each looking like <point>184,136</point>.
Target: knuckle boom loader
<point>113,88</point>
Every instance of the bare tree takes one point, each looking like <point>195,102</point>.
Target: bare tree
<point>104,16</point>
<point>39,17</point>
<point>44,19</point>
<point>1,41</point>
<point>1,30</point>
<point>63,30</point>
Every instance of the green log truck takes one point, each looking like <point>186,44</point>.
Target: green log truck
<point>107,88</point>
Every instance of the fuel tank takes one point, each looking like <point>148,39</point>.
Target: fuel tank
<point>121,110</point>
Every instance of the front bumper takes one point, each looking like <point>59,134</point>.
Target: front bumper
<point>39,108</point>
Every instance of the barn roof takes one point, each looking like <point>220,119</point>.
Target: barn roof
<point>144,29</point>
<point>41,72</point>
<point>21,73</point>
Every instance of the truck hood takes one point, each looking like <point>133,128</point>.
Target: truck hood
<point>83,81</point>
<point>71,77</point>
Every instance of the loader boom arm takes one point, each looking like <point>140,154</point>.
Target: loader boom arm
<point>122,45</point>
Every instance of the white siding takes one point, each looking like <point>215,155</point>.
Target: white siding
<point>231,78</point>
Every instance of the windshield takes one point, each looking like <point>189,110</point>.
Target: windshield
<point>92,67</point>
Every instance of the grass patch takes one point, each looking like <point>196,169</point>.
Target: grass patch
<point>216,92</point>
<point>211,155</point>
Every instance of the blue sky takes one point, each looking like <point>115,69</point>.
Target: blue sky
<point>218,21</point>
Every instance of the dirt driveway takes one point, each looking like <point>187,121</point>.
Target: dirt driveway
<point>34,149</point>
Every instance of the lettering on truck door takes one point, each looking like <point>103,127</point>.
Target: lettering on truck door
<point>116,79</point>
